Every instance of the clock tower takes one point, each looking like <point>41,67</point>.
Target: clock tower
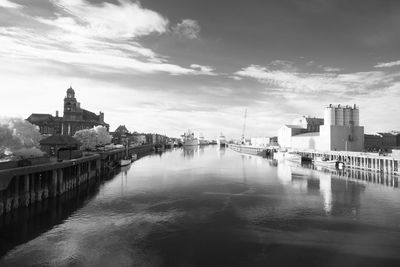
<point>71,106</point>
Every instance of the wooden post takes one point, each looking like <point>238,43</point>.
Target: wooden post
<point>32,188</point>
<point>60,182</point>
<point>27,197</point>
<point>16,193</point>
<point>54,179</point>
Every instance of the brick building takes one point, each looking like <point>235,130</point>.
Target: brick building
<point>74,118</point>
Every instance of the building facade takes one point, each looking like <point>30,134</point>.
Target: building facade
<point>74,118</point>
<point>375,142</point>
<point>338,131</point>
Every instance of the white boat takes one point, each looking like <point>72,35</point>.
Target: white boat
<point>202,141</point>
<point>322,161</point>
<point>221,140</point>
<point>279,155</point>
<point>292,156</point>
<point>125,162</point>
<point>188,139</point>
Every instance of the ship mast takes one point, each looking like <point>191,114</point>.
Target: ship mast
<point>244,126</point>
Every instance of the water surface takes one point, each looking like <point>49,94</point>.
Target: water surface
<point>212,207</point>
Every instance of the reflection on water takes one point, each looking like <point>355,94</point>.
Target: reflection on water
<point>211,206</point>
<point>190,151</point>
<point>27,223</point>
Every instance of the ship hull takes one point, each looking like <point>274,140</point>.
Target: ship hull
<point>251,150</point>
<point>194,142</point>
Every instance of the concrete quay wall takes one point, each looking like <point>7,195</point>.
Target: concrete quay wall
<point>24,186</point>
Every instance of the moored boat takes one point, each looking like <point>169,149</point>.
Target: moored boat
<point>203,141</point>
<point>125,162</point>
<point>325,162</point>
<point>292,156</point>
<point>221,140</point>
<point>189,139</point>
<point>252,150</point>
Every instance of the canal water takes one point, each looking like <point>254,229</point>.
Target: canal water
<point>211,207</point>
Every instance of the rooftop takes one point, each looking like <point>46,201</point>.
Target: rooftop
<point>307,134</point>
<point>294,126</point>
<point>58,139</point>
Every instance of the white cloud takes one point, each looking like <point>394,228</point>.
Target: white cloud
<point>188,28</point>
<point>9,4</point>
<point>201,69</point>
<point>331,69</point>
<point>337,84</point>
<point>111,21</point>
<point>236,78</point>
<point>97,37</point>
<point>387,64</point>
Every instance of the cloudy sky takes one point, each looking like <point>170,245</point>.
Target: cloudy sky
<point>166,66</point>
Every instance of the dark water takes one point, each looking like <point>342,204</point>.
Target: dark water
<point>212,207</point>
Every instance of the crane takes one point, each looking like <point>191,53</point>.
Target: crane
<point>244,126</point>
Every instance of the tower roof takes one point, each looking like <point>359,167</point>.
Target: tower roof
<point>70,90</point>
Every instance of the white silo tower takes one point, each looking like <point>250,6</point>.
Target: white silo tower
<point>339,115</point>
<point>329,115</point>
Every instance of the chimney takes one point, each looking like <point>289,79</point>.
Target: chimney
<point>101,116</point>
<point>56,113</point>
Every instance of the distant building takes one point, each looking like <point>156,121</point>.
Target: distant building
<point>273,141</point>
<point>381,141</point>
<point>339,130</point>
<point>120,135</point>
<point>260,141</point>
<point>264,141</point>
<point>372,142</point>
<point>139,138</point>
<point>389,140</point>
<point>74,118</point>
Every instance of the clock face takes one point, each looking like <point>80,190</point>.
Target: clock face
<point>69,108</point>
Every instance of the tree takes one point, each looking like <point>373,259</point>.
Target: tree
<point>103,137</point>
<point>87,137</point>
<point>19,138</point>
<point>90,138</point>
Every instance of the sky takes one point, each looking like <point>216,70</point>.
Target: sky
<point>169,66</point>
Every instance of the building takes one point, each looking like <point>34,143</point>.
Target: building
<point>139,138</point>
<point>339,130</point>
<point>74,118</point>
<point>120,135</point>
<point>56,143</point>
<point>298,126</point>
<point>389,140</point>
<point>374,142</point>
<point>259,141</point>
<point>273,141</point>
<point>264,141</point>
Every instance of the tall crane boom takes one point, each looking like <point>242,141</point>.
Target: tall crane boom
<point>244,125</point>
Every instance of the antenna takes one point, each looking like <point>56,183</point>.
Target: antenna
<point>244,125</point>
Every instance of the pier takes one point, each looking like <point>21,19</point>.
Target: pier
<point>358,160</point>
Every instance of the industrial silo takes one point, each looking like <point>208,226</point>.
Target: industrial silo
<point>355,116</point>
<point>329,115</point>
<point>347,116</point>
<point>339,115</point>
